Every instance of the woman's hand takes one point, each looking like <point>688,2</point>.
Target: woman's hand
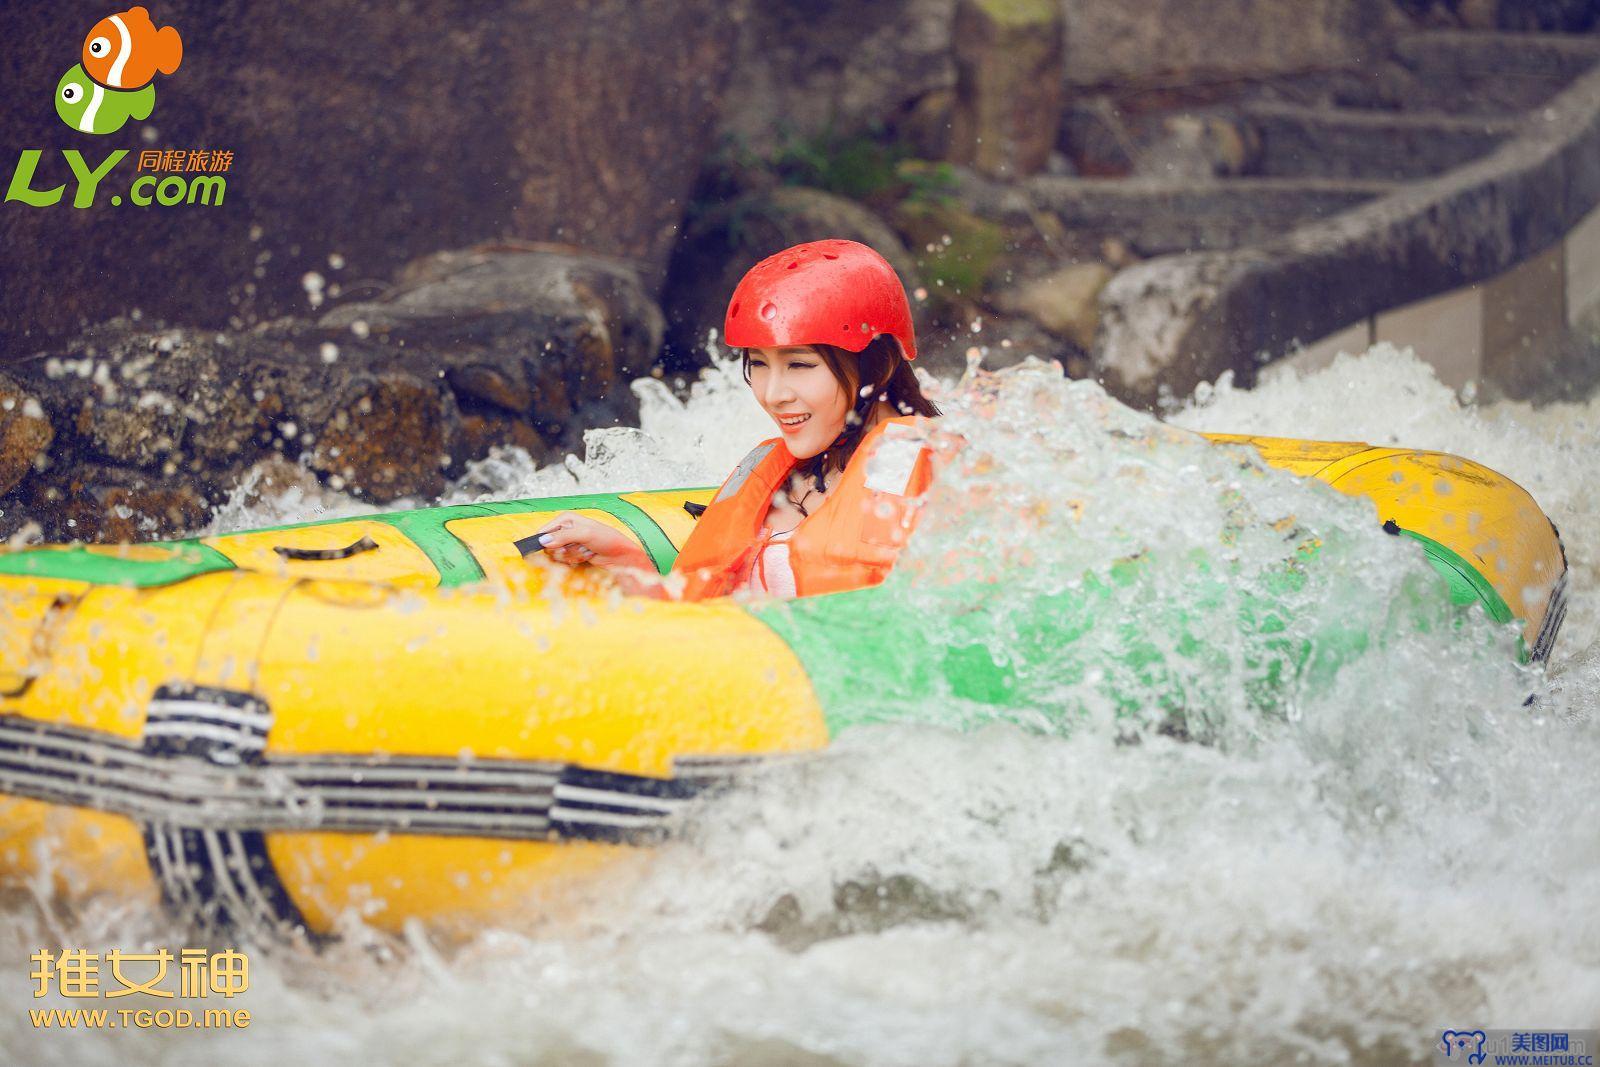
<point>571,538</point>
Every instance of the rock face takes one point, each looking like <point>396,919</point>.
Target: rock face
<point>25,433</point>
<point>373,135</point>
<point>1150,42</point>
<point>1008,85</point>
<point>727,241</point>
<point>384,400</point>
<point>1545,16</point>
<point>1065,301</point>
<point>545,335</point>
<point>841,65</point>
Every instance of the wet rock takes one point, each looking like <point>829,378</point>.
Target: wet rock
<point>1065,301</point>
<point>1543,16</point>
<point>540,119</point>
<point>529,344</point>
<point>1008,85</point>
<point>1166,41</point>
<point>492,385</point>
<point>1489,74</point>
<point>1197,146</point>
<point>270,479</point>
<point>25,433</point>
<point>1328,142</point>
<point>1147,314</point>
<point>1103,140</point>
<point>384,435</point>
<point>498,292</point>
<point>509,310</point>
<point>724,243</point>
<point>834,65</point>
<point>479,434</point>
<point>538,331</point>
<point>1095,136</point>
<point>1002,340</point>
<point>926,124</point>
<point>152,398</point>
<point>103,503</point>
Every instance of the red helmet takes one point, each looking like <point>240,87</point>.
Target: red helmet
<point>839,293</point>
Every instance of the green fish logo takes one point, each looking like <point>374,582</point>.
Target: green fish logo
<point>121,56</point>
<point>89,107</point>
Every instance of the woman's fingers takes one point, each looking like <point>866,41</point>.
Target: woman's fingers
<point>559,533</point>
<point>572,539</point>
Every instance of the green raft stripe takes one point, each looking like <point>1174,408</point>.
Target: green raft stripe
<point>1467,583</point>
<point>75,563</point>
<point>426,529</point>
<point>983,659</point>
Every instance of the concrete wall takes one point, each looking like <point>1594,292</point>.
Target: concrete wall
<point>1479,237</point>
<point>1508,332</point>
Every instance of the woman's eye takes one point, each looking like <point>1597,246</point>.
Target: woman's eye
<point>799,366</point>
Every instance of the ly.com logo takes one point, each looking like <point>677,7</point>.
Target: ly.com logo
<point>116,80</point>
<point>122,55</point>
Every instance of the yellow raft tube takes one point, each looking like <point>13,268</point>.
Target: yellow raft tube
<point>267,730</point>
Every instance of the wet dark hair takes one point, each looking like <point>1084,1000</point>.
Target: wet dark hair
<point>878,372</point>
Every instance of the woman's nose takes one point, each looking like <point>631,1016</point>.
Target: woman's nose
<point>777,387</point>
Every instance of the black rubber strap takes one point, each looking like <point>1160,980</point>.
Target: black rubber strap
<point>527,546</point>
<point>366,544</point>
<point>694,510</point>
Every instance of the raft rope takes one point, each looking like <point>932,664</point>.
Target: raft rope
<point>206,792</point>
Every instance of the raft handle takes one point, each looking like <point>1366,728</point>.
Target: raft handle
<point>366,544</point>
<point>694,510</point>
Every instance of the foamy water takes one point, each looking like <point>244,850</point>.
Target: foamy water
<point>1405,849</point>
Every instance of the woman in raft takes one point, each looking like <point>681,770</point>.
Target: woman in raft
<point>827,342</point>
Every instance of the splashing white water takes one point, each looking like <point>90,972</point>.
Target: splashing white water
<point>1414,850</point>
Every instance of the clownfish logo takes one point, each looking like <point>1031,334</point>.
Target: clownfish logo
<point>115,81</point>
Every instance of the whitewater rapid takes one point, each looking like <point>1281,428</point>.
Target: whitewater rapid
<point>1412,849</point>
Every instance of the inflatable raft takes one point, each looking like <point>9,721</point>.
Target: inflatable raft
<point>386,714</point>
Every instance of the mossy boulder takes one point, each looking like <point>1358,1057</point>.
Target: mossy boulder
<point>955,252</point>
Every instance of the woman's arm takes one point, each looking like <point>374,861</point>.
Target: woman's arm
<point>573,539</point>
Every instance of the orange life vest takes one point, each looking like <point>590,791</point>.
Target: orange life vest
<point>851,541</point>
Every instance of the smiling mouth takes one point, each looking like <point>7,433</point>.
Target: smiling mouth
<point>791,422</point>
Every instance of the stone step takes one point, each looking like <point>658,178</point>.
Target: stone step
<point>1331,142</point>
<point>1157,216</point>
<point>1472,242</point>
<point>1483,72</point>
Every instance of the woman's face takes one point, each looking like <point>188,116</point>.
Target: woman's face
<point>801,394</point>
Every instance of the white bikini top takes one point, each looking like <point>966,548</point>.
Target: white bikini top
<point>771,573</point>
